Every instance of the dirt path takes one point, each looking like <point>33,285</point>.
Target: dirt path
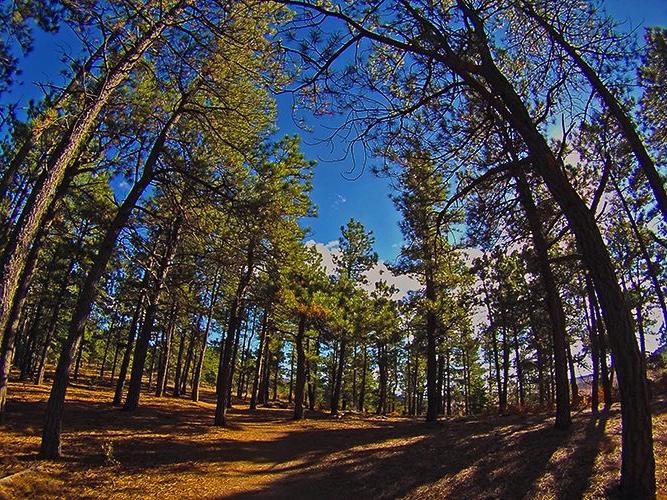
<point>169,449</point>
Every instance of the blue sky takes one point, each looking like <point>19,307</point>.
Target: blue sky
<point>341,190</point>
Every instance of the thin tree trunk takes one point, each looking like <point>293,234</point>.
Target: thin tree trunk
<point>291,376</point>
<point>553,302</point>
<point>260,359</point>
<point>50,447</point>
<point>362,388</point>
<point>338,385</point>
<point>165,352</point>
<point>519,368</point>
<point>189,360</point>
<point>144,337</point>
<point>201,356</point>
<point>300,369</point>
<point>224,380</point>
<point>573,378</point>
<point>134,325</point>
<point>431,353</point>
<point>114,363</point>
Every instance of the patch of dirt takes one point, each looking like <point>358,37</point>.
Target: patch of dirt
<point>169,448</point>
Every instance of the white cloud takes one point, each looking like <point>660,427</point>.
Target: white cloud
<point>403,282</point>
<point>340,200</point>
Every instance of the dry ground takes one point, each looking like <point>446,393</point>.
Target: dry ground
<point>169,449</point>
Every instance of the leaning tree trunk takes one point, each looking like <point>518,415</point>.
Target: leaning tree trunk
<point>50,447</point>
<point>8,343</point>
<point>42,123</point>
<point>23,235</point>
<point>553,302</point>
<point>638,463</point>
<point>614,107</point>
<point>8,340</point>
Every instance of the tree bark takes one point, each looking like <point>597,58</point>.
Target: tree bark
<point>553,302</point>
<point>431,353</point>
<point>199,366</point>
<point>50,447</point>
<point>134,325</point>
<point>338,382</point>
<point>224,380</point>
<point>165,352</point>
<point>153,297</point>
<point>259,363</point>
<point>300,369</point>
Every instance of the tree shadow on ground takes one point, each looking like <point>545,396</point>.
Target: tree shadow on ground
<point>267,455</point>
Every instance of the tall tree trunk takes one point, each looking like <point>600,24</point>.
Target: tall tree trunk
<point>276,373</point>
<point>199,366</point>
<point>506,367</point>
<point>382,379</point>
<point>362,387</point>
<point>300,369</point>
<point>259,363</point>
<point>32,217</point>
<point>224,380</point>
<point>242,325</point>
<point>8,339</point>
<point>165,352</point>
<point>50,447</point>
<point>189,360</point>
<point>637,461</point>
<point>114,362</point>
<point>291,376</point>
<point>79,356</point>
<point>431,353</point>
<point>448,379</point>
<point>41,124</point>
<point>178,372</point>
<point>107,343</point>
<point>441,382</point>
<point>153,297</point>
<point>519,368</point>
<point>129,346</point>
<point>338,381</point>
<point>8,343</point>
<point>553,302</point>
<point>573,378</point>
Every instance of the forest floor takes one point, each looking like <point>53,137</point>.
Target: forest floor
<point>169,449</point>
